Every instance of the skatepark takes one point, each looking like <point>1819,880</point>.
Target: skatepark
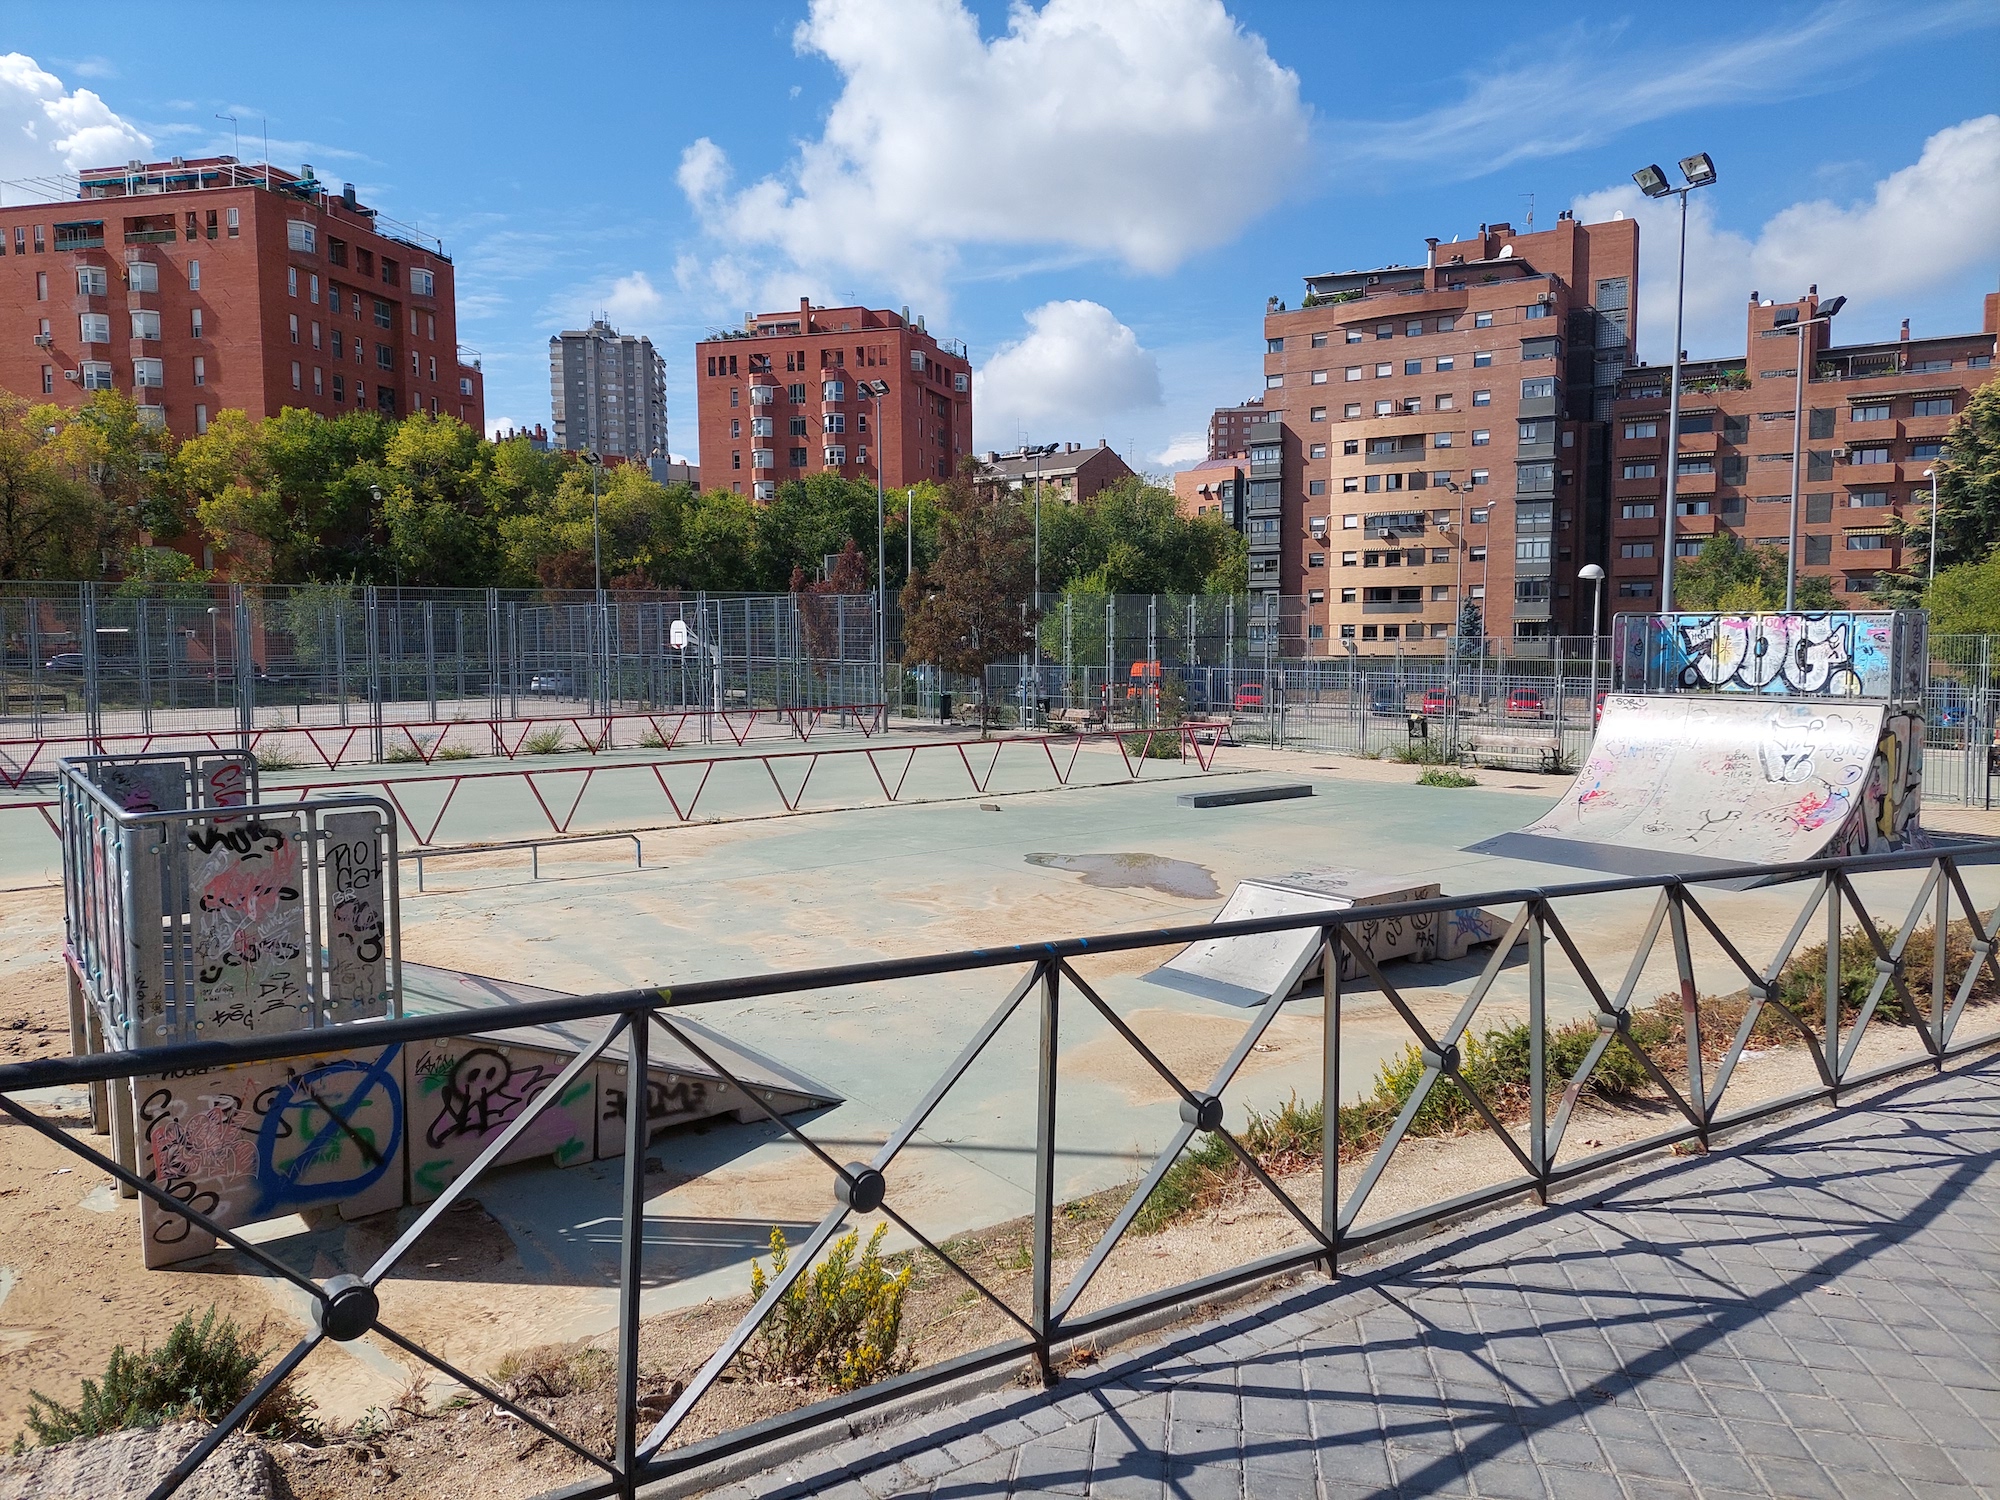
<point>971,853</point>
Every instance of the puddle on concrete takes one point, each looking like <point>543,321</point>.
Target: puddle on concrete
<point>1152,872</point>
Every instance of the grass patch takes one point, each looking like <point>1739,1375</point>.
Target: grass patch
<point>1421,753</point>
<point>410,753</point>
<point>197,1375</point>
<point>1447,776</point>
<point>551,741</point>
<point>652,739</point>
<point>456,752</point>
<point>1161,744</point>
<point>278,759</point>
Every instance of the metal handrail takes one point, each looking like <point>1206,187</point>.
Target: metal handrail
<point>346,1307</point>
<point>533,846</point>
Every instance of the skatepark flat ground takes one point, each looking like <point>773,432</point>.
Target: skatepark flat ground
<point>812,889</point>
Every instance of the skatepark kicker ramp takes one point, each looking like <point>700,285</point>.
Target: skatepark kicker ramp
<point>1690,781</point>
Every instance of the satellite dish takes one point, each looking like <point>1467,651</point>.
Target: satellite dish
<point>1618,214</point>
<point>1506,252</point>
<point>677,635</point>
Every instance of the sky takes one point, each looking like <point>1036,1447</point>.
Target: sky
<point>1097,196</point>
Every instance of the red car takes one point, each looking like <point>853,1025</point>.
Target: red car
<point>1250,696</point>
<point>1524,703</point>
<point>1436,701</point>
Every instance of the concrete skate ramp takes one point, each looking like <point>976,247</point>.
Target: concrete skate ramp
<point>1244,970</point>
<point>1694,782</point>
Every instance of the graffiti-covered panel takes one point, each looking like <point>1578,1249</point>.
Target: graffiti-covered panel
<point>357,954</point>
<point>246,892</point>
<point>1892,796</point>
<point>249,1143</point>
<point>143,786</point>
<point>1743,780</point>
<point>671,1099</point>
<point>1838,654</point>
<point>465,1090</point>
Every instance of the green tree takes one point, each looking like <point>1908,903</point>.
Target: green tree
<point>1468,638</point>
<point>163,573</point>
<point>1968,480</point>
<point>1726,575</point>
<point>1965,600</point>
<point>1134,536</point>
<point>966,611</point>
<point>77,484</point>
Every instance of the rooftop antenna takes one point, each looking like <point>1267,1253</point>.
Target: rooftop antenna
<point>1531,209</point>
<point>237,131</point>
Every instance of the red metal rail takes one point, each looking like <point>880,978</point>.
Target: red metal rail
<point>331,743</point>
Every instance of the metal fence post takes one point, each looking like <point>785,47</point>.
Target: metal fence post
<point>1045,1172</point>
<point>631,1246</point>
<point>1329,1177</point>
<point>142,637</point>
<point>1832,1013</point>
<point>245,664</point>
<point>430,661</point>
<point>1538,1103</point>
<point>371,621</point>
<point>93,702</point>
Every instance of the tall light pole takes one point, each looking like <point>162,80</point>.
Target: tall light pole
<point>1798,330</point>
<point>1931,475</point>
<point>875,390</point>
<point>1699,170</point>
<point>1595,576</point>
<point>595,463</point>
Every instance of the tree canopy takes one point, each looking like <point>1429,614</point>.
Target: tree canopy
<point>966,610</point>
<point>1726,575</point>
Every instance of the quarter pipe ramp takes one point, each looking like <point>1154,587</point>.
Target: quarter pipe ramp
<point>1686,783</point>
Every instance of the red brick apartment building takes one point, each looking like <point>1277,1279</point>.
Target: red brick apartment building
<point>1442,426</point>
<point>1875,417</point>
<point>779,399</point>
<point>199,285</point>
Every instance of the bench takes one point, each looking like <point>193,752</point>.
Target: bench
<point>1070,720</point>
<point>1497,744</point>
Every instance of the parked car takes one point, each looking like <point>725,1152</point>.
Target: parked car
<point>1437,701</point>
<point>1250,697</point>
<point>1525,703</point>
<point>557,683</point>
<point>64,661</point>
<point>1385,701</point>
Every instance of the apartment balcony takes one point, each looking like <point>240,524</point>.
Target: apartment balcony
<point>1688,486</point>
<point>763,458</point>
<point>1542,406</point>
<point>1406,451</point>
<point>1395,607</point>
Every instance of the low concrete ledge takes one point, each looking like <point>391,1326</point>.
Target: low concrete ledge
<point>1238,795</point>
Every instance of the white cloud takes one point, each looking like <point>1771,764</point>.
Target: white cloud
<point>1578,88</point>
<point>1140,131</point>
<point>1920,227</point>
<point>633,299</point>
<point>46,131</point>
<point>1077,365</point>
<point>1183,449</point>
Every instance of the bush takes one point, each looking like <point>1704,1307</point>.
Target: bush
<point>456,752</point>
<point>1199,1177</point>
<point>1421,753</point>
<point>198,1375</point>
<point>1161,744</point>
<point>652,739</point>
<point>1446,776</point>
<point>838,1325</point>
<point>278,759</point>
<point>551,741</point>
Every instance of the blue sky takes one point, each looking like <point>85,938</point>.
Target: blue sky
<point>1096,195</point>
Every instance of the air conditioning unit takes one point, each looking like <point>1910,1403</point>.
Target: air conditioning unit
<point>45,341</point>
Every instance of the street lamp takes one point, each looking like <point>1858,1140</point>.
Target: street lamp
<point>1592,573</point>
<point>596,464</point>
<point>1798,328</point>
<point>1699,170</point>
<point>1932,476</point>
<point>875,390</point>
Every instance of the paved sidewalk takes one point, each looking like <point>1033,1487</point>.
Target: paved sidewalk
<point>1817,1314</point>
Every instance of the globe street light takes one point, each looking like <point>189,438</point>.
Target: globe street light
<point>1699,170</point>
<point>1595,576</point>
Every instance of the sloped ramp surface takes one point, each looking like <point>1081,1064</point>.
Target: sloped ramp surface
<point>1691,782</point>
<point>1244,970</point>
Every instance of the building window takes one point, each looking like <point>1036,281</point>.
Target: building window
<point>1441,440</point>
<point>1274,346</point>
<point>1637,510</point>
<point>1318,450</point>
<point>94,328</point>
<point>1877,411</point>
<point>1479,476</point>
<point>1539,389</point>
<point>1642,429</point>
<point>1445,364</point>
<point>1925,452</point>
<point>1635,588</point>
<point>383,318</point>
<point>1273,382</point>
<point>301,236</point>
<point>1316,487</point>
<point>1476,518</point>
<point>91,281</point>
<point>295,327</point>
<point>1384,371</point>
<point>1349,559</point>
<point>1319,341</point>
<point>200,370</point>
<point>1482,320</point>
<point>295,375</point>
<point>96,375</point>
<point>145,325</point>
<point>1413,367</point>
<point>1481,436</point>
<point>1481,358</point>
<point>1318,414</point>
<point>1482,398</point>
<point>1354,372</point>
<point>385,357</point>
<point>1635,549</point>
<point>1385,330</point>
<point>1869,456</point>
<point>1644,469</point>
<point>1319,377</point>
<point>422,283</point>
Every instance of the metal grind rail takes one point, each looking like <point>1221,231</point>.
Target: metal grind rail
<point>558,792</point>
<point>423,740</point>
<point>1041,979</point>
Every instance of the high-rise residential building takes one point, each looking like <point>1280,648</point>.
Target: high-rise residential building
<point>1875,421</point>
<point>202,284</point>
<point>1215,487</point>
<point>782,397</point>
<point>1437,432</point>
<point>1229,428</point>
<point>609,393</point>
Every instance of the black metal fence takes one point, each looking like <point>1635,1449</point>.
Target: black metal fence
<point>1544,968</point>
